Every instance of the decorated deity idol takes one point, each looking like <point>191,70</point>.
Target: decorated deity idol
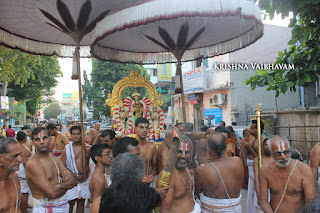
<point>137,105</point>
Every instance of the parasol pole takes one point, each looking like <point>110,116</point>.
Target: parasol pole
<point>258,116</point>
<point>83,148</point>
<point>179,71</point>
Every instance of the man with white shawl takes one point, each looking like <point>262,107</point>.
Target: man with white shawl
<point>218,182</point>
<point>72,158</point>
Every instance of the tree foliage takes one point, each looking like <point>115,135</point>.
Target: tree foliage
<point>39,88</point>
<point>52,111</point>
<point>16,66</point>
<point>304,50</point>
<point>104,76</point>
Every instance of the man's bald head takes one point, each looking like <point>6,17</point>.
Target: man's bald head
<point>182,128</point>
<point>217,143</point>
<point>277,139</point>
<point>209,132</point>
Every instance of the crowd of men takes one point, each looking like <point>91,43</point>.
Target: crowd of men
<point>121,173</point>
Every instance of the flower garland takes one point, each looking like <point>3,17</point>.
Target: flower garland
<point>116,117</point>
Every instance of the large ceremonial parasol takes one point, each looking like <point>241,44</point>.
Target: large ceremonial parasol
<point>156,31</point>
<point>55,27</point>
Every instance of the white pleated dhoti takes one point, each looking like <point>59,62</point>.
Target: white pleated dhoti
<point>58,205</point>
<point>209,205</point>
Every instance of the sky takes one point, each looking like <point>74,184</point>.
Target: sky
<point>66,85</point>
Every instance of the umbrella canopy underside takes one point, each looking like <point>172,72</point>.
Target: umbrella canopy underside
<point>229,25</point>
<point>24,26</point>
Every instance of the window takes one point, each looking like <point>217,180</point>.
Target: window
<point>198,63</point>
<point>318,88</point>
<point>154,72</point>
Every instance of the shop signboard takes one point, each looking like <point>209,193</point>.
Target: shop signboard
<point>164,72</point>
<point>212,116</point>
<point>4,102</point>
<point>194,79</point>
<point>192,99</point>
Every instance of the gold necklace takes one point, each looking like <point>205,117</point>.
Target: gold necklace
<point>188,188</point>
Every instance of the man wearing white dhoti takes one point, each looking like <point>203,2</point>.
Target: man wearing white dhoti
<point>212,179</point>
<point>72,158</point>
<point>47,177</point>
<point>25,154</point>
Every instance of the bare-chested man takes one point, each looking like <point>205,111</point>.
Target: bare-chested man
<point>101,155</point>
<point>107,136</point>
<point>202,149</point>
<point>96,128</point>
<point>266,158</point>
<point>147,148</point>
<point>218,182</point>
<point>47,177</point>
<point>72,159</point>
<point>315,164</point>
<point>126,144</point>
<point>25,154</point>
<point>251,151</point>
<point>179,198</point>
<point>9,182</point>
<point>202,152</point>
<point>67,133</point>
<point>90,137</point>
<point>59,140</point>
<point>290,182</point>
<point>182,128</point>
<point>164,148</point>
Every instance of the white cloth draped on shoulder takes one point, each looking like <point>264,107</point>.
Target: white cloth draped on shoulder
<point>81,190</point>
<point>209,205</point>
<point>22,179</point>
<point>196,208</point>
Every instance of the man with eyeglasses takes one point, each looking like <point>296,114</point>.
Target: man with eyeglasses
<point>290,182</point>
<point>101,154</point>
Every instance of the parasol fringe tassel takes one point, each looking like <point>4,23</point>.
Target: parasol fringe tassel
<point>151,58</point>
<point>36,47</point>
<point>137,15</point>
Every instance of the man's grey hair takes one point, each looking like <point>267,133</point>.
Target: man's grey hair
<point>276,137</point>
<point>4,143</point>
<point>127,167</point>
<point>186,139</point>
<point>170,131</point>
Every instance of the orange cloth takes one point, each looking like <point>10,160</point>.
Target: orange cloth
<point>232,146</point>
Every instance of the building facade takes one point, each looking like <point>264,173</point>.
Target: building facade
<point>224,96</point>
<point>66,106</point>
